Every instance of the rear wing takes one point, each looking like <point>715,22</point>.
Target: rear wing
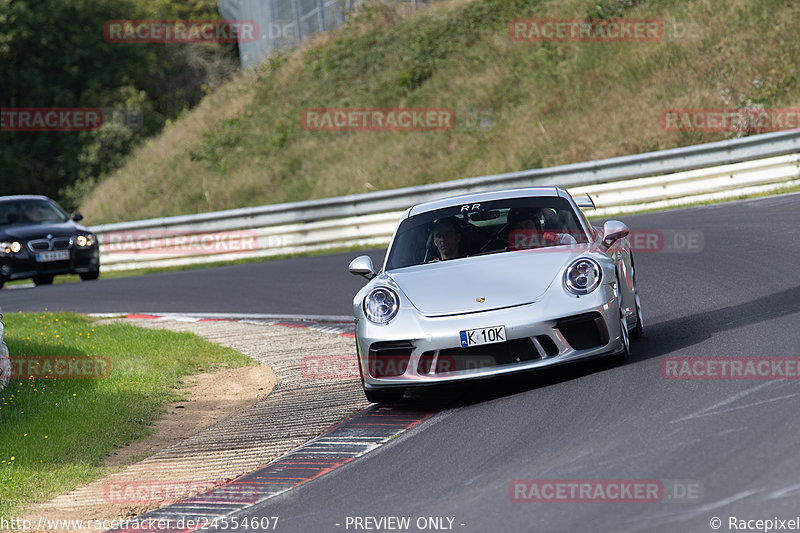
<point>585,201</point>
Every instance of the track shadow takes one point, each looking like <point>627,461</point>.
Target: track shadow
<point>449,396</point>
<point>660,338</point>
<point>668,336</point>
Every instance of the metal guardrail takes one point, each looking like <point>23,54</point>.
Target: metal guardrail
<point>617,185</point>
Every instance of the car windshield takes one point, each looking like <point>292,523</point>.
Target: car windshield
<point>26,212</point>
<point>486,228</point>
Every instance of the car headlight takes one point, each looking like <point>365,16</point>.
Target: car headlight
<point>84,240</point>
<point>10,247</point>
<point>381,305</point>
<point>582,276</point>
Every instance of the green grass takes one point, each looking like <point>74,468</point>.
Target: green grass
<point>55,433</point>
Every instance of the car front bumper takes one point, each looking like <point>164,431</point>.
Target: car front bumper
<point>418,350</point>
<point>24,265</point>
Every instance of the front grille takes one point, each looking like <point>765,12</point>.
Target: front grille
<point>584,331</point>
<point>39,245</point>
<point>547,345</point>
<point>425,363</point>
<point>43,245</point>
<point>487,355</point>
<point>62,243</point>
<point>389,359</point>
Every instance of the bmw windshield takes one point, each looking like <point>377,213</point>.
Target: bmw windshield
<point>28,212</point>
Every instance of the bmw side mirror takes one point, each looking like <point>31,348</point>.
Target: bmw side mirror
<point>362,266</point>
<point>76,217</point>
<point>614,230</point>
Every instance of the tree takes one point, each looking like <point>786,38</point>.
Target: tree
<point>54,54</point>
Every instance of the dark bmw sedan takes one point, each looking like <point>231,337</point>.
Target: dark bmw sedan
<point>39,240</point>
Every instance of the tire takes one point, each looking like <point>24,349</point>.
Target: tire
<point>384,395</point>
<point>89,276</point>
<point>638,331</point>
<point>625,354</point>
<point>43,280</point>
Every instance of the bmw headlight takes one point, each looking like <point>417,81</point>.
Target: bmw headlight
<point>84,241</point>
<point>381,305</point>
<point>582,276</point>
<point>10,247</point>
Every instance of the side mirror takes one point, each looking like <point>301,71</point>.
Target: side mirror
<point>362,266</point>
<point>76,217</point>
<point>614,230</point>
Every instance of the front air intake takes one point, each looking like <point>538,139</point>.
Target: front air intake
<point>389,359</point>
<point>584,331</point>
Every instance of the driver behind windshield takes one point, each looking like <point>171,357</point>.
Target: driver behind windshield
<point>33,212</point>
<point>526,230</point>
<point>524,219</point>
<point>447,239</point>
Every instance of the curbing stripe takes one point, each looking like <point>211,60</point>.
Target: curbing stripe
<point>333,324</point>
<point>336,446</point>
<point>339,445</point>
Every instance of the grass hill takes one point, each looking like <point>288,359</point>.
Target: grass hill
<point>542,103</point>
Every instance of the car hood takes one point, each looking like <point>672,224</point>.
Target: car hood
<point>39,231</point>
<point>501,280</point>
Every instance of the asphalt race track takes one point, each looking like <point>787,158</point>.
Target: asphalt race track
<point>720,448</point>
<point>313,285</point>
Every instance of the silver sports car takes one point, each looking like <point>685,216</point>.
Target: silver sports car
<point>492,283</point>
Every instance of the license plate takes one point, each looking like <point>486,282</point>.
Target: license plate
<point>58,255</point>
<point>476,337</point>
